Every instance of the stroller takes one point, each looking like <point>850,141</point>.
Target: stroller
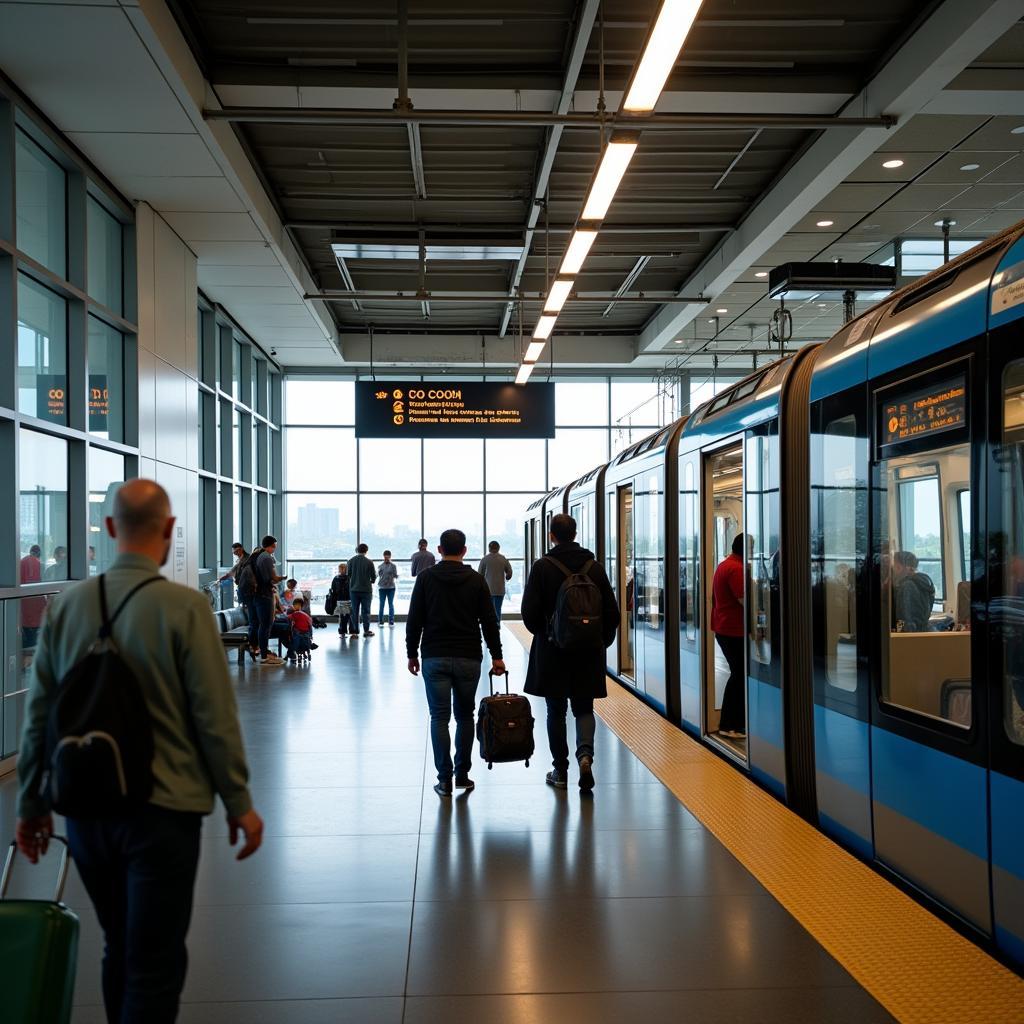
<point>302,645</point>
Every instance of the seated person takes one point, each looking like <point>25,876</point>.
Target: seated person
<point>290,593</point>
<point>913,594</point>
<point>301,643</point>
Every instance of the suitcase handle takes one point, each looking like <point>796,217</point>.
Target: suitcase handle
<point>490,681</point>
<point>5,879</point>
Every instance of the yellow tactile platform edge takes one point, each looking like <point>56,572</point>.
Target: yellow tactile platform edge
<point>916,966</point>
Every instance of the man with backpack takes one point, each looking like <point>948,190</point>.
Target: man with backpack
<point>265,581</point>
<point>570,608</point>
<point>133,822</point>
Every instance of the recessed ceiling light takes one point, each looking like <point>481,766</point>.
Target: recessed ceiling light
<point>891,165</point>
<point>534,351</point>
<point>679,341</point>
<point>1019,130</point>
<point>970,167</point>
<point>576,253</point>
<point>558,294</point>
<point>942,223</point>
<point>722,310</point>
<point>761,273</point>
<point>544,327</point>
<point>822,305</point>
<point>712,320</point>
<point>825,223</point>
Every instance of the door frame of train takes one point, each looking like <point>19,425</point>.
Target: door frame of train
<point>627,616</point>
<point>709,452</point>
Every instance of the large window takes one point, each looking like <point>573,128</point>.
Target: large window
<point>105,359</point>
<point>106,257</point>
<point>106,474</point>
<point>42,351</point>
<point>41,195</point>
<point>43,500</point>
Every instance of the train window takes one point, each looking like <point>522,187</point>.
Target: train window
<point>763,555</point>
<point>841,516</point>
<point>926,656</point>
<point>689,559</point>
<point>746,389</point>
<point>1008,606</point>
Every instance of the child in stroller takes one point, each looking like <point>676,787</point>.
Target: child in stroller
<point>302,631</point>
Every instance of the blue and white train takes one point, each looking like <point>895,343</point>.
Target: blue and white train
<point>904,433</point>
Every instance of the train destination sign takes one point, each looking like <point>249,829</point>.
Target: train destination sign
<point>929,411</point>
<point>454,409</point>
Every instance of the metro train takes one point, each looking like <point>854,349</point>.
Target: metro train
<point>904,433</point>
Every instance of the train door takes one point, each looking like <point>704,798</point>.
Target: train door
<point>626,583</point>
<point>690,620</point>
<point>928,741</point>
<point>723,522</point>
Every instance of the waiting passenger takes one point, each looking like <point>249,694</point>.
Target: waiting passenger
<point>727,623</point>
<point>423,559</point>
<point>913,594</point>
<point>343,601</point>
<point>567,677</point>
<point>387,580</point>
<point>32,609</point>
<point>450,607</point>
<point>300,643</point>
<point>139,868</point>
<point>265,592</point>
<point>59,569</point>
<point>361,577</point>
<point>291,591</point>
<point>233,573</point>
<point>496,569</point>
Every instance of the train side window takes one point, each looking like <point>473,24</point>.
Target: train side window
<point>689,593</point>
<point>841,516</point>
<point>763,556</point>
<point>1008,605</point>
<point>926,652</point>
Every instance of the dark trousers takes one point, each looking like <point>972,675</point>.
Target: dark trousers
<point>344,624</point>
<point>586,726</point>
<point>139,871</point>
<point>361,610</point>
<point>263,607</point>
<point>386,594</point>
<point>497,600</point>
<point>448,681</point>
<point>734,715</point>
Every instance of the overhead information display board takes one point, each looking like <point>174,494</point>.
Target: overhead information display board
<point>929,411</point>
<point>454,409</point>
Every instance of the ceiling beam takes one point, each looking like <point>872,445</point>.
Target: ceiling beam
<point>940,48</point>
<point>377,227</point>
<point>577,298</point>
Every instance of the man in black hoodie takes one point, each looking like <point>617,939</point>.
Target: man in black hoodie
<point>450,605</point>
<point>914,593</point>
<point>559,676</point>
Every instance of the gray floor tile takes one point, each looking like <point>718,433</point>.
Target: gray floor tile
<point>308,770</point>
<point>301,1011</point>
<point>613,945</point>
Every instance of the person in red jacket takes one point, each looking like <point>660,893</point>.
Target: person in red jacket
<point>729,627</point>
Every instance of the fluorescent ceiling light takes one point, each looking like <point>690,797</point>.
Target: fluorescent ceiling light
<point>723,310</point>
<point>825,223</point>
<point>579,246</point>
<point>891,165</point>
<point>761,273</point>
<point>387,251</point>
<point>534,351</point>
<point>524,373</point>
<point>1019,130</point>
<point>544,326</point>
<point>659,57</point>
<point>557,295</point>
<point>614,162</point>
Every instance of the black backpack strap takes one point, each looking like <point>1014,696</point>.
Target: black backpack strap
<point>555,561</point>
<point>582,571</point>
<point>109,620</point>
<point>585,570</point>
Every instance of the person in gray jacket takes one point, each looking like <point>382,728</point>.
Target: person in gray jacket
<point>387,582</point>
<point>497,570</point>
<point>361,575</point>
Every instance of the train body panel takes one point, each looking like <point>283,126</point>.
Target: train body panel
<point>842,746</point>
<point>1007,801</point>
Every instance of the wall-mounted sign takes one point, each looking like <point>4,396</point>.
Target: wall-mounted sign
<point>932,410</point>
<point>454,409</point>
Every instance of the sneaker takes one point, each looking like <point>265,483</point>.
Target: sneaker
<point>391,624</point>
<point>464,782</point>
<point>353,634</point>
<point>271,659</point>
<point>732,734</point>
<point>586,774</point>
<point>556,778</point>
<point>369,632</point>
<point>444,788</point>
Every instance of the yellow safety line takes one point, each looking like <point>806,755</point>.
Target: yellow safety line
<point>921,970</point>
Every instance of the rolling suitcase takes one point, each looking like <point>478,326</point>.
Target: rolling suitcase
<point>38,952</point>
<point>504,726</point>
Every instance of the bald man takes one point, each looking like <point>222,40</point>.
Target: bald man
<point>139,868</point>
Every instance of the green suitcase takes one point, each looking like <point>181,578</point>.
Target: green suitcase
<point>38,952</point>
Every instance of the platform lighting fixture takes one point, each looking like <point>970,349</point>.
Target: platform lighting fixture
<point>970,167</point>
<point>523,375</point>
<point>557,295</point>
<point>579,245</point>
<point>891,165</point>
<point>544,327</point>
<point>723,310</point>
<point>761,273</point>
<point>534,351</point>
<point>825,223</point>
<point>671,28</point>
<point>614,161</point>
<point>1019,130</point>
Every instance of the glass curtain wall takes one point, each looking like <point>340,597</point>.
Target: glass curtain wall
<point>68,382</point>
<point>340,491</point>
<point>239,447</point>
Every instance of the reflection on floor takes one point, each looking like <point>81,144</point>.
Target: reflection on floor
<point>373,901</point>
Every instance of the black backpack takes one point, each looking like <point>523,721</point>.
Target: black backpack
<point>99,737</point>
<point>576,624</point>
<point>247,580</point>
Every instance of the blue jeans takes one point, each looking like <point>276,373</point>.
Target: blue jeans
<point>139,871</point>
<point>361,609</point>
<point>497,600</point>
<point>388,594</point>
<point>262,611</point>
<point>449,680</point>
<point>583,712</point>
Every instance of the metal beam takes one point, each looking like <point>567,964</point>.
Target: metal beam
<point>383,227</point>
<point>941,47</point>
<point>328,117</point>
<point>577,298</point>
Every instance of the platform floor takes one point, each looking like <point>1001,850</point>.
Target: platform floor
<point>374,901</point>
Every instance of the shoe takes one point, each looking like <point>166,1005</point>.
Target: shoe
<point>732,734</point>
<point>342,633</point>
<point>464,782</point>
<point>353,634</point>
<point>271,659</point>
<point>444,788</point>
<point>253,653</point>
<point>391,625</point>
<point>557,779</point>
<point>369,632</point>
<point>586,774</point>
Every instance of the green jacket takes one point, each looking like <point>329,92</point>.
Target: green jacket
<point>168,636</point>
<point>361,574</point>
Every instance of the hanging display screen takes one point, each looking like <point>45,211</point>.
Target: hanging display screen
<point>454,409</point>
<point>933,410</point>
